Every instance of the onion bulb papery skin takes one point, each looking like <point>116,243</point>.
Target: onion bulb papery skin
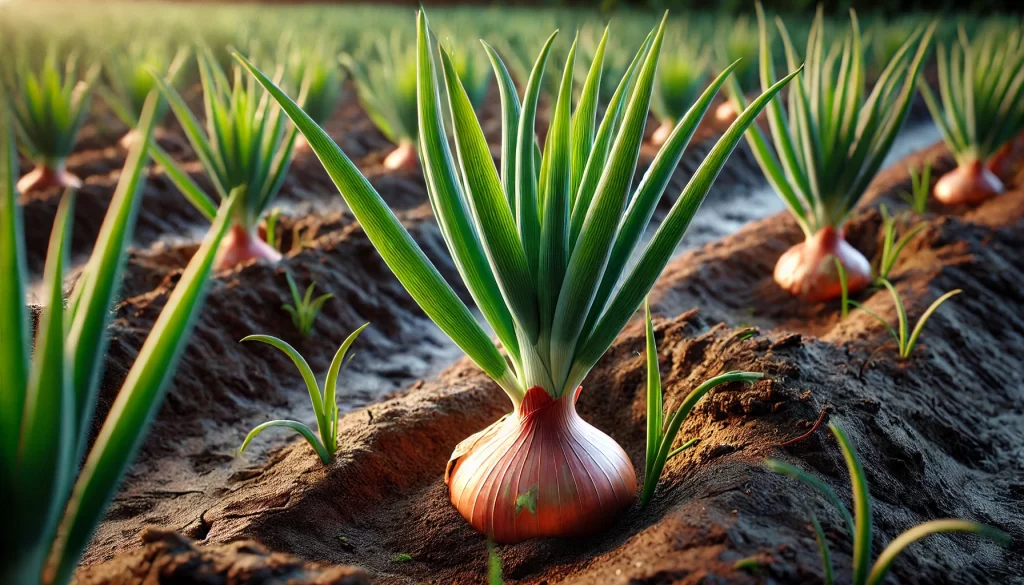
<point>971,182</point>
<point>240,245</point>
<point>661,133</point>
<point>540,471</point>
<point>403,157</point>
<point>45,176</point>
<point>807,270</point>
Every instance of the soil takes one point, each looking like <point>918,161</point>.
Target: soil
<point>939,434</point>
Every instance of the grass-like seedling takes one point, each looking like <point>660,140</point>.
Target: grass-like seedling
<point>50,103</point>
<point>682,75</point>
<point>304,308</point>
<point>270,224</point>
<point>52,498</point>
<point>981,85</point>
<point>661,434</point>
<point>247,146</point>
<point>542,249</point>
<point>829,145</point>
<point>859,524</point>
<point>891,247</point>
<point>385,79</point>
<point>493,566</point>
<point>844,295</point>
<point>325,404</point>
<point>920,188</point>
<point>128,79</point>
<point>904,337</point>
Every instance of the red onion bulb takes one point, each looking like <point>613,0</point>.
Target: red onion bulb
<point>807,269</point>
<point>540,471</point>
<point>968,183</point>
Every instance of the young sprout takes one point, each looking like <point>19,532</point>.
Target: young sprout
<point>304,309</point>
<point>385,79</point>
<point>49,105</point>
<point>54,488</point>
<point>270,226</point>
<point>859,524</point>
<point>325,404</point>
<point>682,75</point>
<point>920,188</point>
<point>493,566</point>
<point>891,247</point>
<point>129,81</point>
<point>247,146</point>
<point>542,247</point>
<point>905,339</point>
<point>981,85</point>
<point>828,147</point>
<point>844,297</point>
<point>661,434</point>
<point>737,41</point>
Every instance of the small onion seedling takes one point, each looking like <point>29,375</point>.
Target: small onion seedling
<point>682,75</point>
<point>891,247</point>
<point>542,245</point>
<point>385,80</point>
<point>49,105</point>
<point>247,146</point>
<point>859,524</point>
<point>905,338</point>
<point>661,434</point>
<point>828,147</point>
<point>325,404</point>
<point>129,82</point>
<point>270,227</point>
<point>844,296</point>
<point>920,188</point>
<point>981,86</point>
<point>54,487</point>
<point>304,308</point>
<point>494,576</point>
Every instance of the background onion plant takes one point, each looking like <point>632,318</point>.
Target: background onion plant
<point>49,102</point>
<point>981,85</point>
<point>53,499</point>
<point>828,145</point>
<point>682,75</point>
<point>542,245</point>
<point>247,147</point>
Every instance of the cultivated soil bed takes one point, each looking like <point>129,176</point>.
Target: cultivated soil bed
<point>940,434</point>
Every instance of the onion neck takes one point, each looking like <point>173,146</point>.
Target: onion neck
<point>403,157</point>
<point>46,174</point>
<point>241,245</point>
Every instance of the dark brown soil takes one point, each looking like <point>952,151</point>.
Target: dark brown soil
<point>939,434</point>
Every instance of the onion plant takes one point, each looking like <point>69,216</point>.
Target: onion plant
<point>682,75</point>
<point>247,146</point>
<point>905,339</point>
<point>385,79</point>
<point>736,40</point>
<point>325,403</point>
<point>319,78</point>
<point>981,85</point>
<point>542,245</point>
<point>859,524</point>
<point>661,434</point>
<point>50,103</point>
<point>891,247</point>
<point>53,500</point>
<point>129,81</point>
<point>304,308</point>
<point>829,145</point>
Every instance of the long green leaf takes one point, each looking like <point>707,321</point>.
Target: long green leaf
<point>665,240</point>
<point>884,561</point>
<point>331,389</point>
<point>307,376</point>
<point>100,283</point>
<point>655,407</point>
<point>137,403</point>
<point>861,508</point>
<point>296,426</point>
<point>402,254</point>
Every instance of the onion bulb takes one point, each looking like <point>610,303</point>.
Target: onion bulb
<point>971,182</point>
<point>808,270</point>
<point>403,157</point>
<point>540,471</point>
<point>240,245</point>
<point>45,176</point>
